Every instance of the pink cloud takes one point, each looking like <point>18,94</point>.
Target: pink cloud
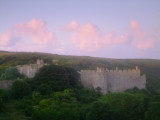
<point>4,39</point>
<point>88,37</point>
<point>114,39</point>
<point>134,25</point>
<point>72,26</point>
<point>30,36</point>
<point>34,36</point>
<point>143,45</point>
<point>141,40</point>
<point>136,30</point>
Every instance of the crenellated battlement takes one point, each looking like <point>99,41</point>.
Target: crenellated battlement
<point>113,80</point>
<point>116,70</point>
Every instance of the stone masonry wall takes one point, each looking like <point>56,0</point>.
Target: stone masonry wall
<point>113,80</point>
<point>31,69</point>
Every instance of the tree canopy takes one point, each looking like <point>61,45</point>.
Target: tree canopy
<point>11,73</point>
<point>55,78</point>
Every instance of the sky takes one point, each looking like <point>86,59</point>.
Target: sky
<point>99,28</point>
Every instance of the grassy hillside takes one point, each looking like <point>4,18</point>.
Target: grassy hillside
<point>150,67</point>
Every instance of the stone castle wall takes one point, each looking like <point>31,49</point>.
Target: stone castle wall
<point>113,80</point>
<point>31,69</point>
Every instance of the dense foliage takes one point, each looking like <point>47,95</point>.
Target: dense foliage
<point>11,73</point>
<point>119,106</point>
<point>67,105</point>
<point>55,78</point>
<point>20,89</point>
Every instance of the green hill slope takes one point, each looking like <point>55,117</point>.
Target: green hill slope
<point>150,67</point>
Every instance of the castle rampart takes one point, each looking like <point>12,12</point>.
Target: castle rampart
<point>113,80</point>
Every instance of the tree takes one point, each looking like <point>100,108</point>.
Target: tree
<point>1,104</point>
<point>20,89</point>
<point>119,106</point>
<point>11,73</point>
<point>73,75</point>
<point>85,95</point>
<point>56,77</point>
<point>101,111</point>
<point>61,106</point>
<point>4,96</point>
<point>153,112</point>
<point>44,89</point>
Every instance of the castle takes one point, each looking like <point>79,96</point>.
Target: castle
<point>30,70</point>
<point>101,79</point>
<point>113,80</point>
